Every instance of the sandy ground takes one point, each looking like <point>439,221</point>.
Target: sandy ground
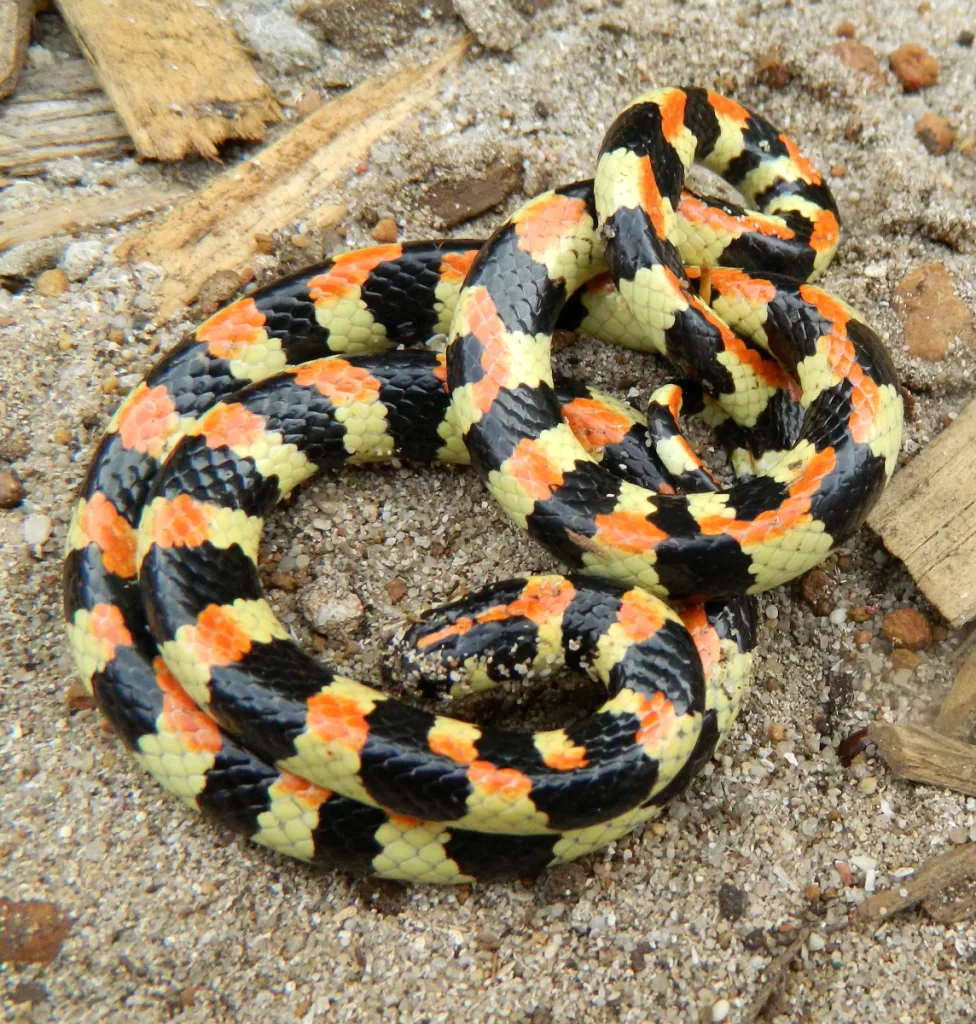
<point>176,920</point>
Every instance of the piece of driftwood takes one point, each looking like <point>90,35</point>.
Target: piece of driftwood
<point>58,111</point>
<point>70,218</point>
<point>927,518</point>
<point>957,716</point>
<point>216,229</point>
<point>932,879</point>
<point>924,755</point>
<point>175,73</point>
<point>15,29</point>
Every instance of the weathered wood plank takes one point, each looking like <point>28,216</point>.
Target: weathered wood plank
<point>927,518</point>
<point>57,112</point>
<point>175,73</point>
<point>924,755</point>
<point>215,229</point>
<point>15,28</point>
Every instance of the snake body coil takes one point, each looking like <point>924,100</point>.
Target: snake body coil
<point>165,611</point>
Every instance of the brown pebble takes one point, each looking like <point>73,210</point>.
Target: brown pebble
<point>283,581</point>
<point>902,657</point>
<point>965,37</point>
<point>301,241</point>
<point>845,30</point>
<point>934,315</point>
<point>61,436</point>
<point>771,71</point>
<point>966,146</point>
<point>862,637</point>
<point>309,103</point>
<point>814,588</point>
<point>939,633</point>
<point>771,684</point>
<point>908,627</point>
<point>914,67</point>
<point>934,133</point>
<point>812,893</point>
<point>844,870</point>
<point>776,732</point>
<point>396,589</point>
<point>77,697</point>
<point>857,56</point>
<point>52,283</point>
<point>264,243</point>
<point>838,170</point>
<point>385,231</point>
<point>116,336</point>
<point>858,613</point>
<point>11,489</point>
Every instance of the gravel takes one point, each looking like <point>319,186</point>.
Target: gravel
<point>176,920</point>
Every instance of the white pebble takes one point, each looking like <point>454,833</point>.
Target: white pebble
<point>772,612</point>
<point>816,942</point>
<point>865,864</point>
<point>79,259</point>
<point>838,616</point>
<point>875,270</point>
<point>37,529</point>
<point>720,1010</point>
<point>330,611</point>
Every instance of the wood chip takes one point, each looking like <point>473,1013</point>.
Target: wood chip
<point>957,716</point>
<point>926,518</point>
<point>58,111</point>
<point>949,869</point>
<point>69,218</point>
<point>921,754</point>
<point>175,72</point>
<point>453,203</point>
<point>216,228</point>
<point>15,28</point>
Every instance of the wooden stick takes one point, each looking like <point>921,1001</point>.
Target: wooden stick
<point>932,878</point>
<point>924,755</point>
<point>69,218</point>
<point>175,72</point>
<point>15,28</point>
<point>215,229</point>
<point>957,717</point>
<point>927,517</point>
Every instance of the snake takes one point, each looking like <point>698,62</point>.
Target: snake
<point>339,364</point>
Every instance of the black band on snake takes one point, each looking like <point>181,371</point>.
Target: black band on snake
<point>165,611</point>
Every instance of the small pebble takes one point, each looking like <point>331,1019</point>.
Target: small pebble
<point>857,56</point>
<point>868,786</point>
<point>838,170</point>
<point>862,637</point>
<point>812,893</point>
<point>903,658</point>
<point>385,231</point>
<point>776,732</point>
<point>772,612</point>
<point>934,133</point>
<point>908,627</point>
<point>914,67</point>
<point>52,283</point>
<point>845,30</point>
<point>815,942</point>
<point>814,588</point>
<point>396,589</point>
<point>79,259</point>
<point>966,37</point>
<point>334,614</point>
<point>37,529</point>
<point>77,697</point>
<point>720,1010</point>
<point>11,489</point>
<point>958,836</point>
<point>838,616</point>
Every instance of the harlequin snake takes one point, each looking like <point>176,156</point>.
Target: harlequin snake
<point>166,616</point>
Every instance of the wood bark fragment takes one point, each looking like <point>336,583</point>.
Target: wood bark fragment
<point>176,74</point>
<point>774,975</point>
<point>924,755</point>
<point>931,879</point>
<point>927,518</point>
<point>15,29</point>
<point>58,111</point>
<point>216,229</point>
<point>957,716</point>
<point>69,218</point>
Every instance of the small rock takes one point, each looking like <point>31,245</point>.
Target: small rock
<point>902,657</point>
<point>301,241</point>
<point>845,30</point>
<point>385,231</point>
<point>816,942</point>
<point>857,56</point>
<point>858,613</point>
<point>934,133</point>
<point>934,315</point>
<point>275,34</point>
<point>78,697</point>
<point>838,171</point>
<point>772,72</point>
<point>333,611</point>
<point>838,616</point>
<point>965,37</point>
<point>79,259</point>
<point>720,1010</point>
<point>11,489</point>
<point>908,627</point>
<point>52,283</point>
<point>264,243</point>
<point>814,588</point>
<point>216,290</point>
<point>37,529</point>
<point>844,870</point>
<point>732,902</point>
<point>811,893</point>
<point>495,23</point>
<point>32,992</point>
<point>453,203</point>
<point>862,637</point>
<point>958,836</point>
<point>283,581</point>
<point>771,684</point>
<point>396,589</point>
<point>776,732</point>
<point>310,102</point>
<point>868,785</point>
<point>914,67</point>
